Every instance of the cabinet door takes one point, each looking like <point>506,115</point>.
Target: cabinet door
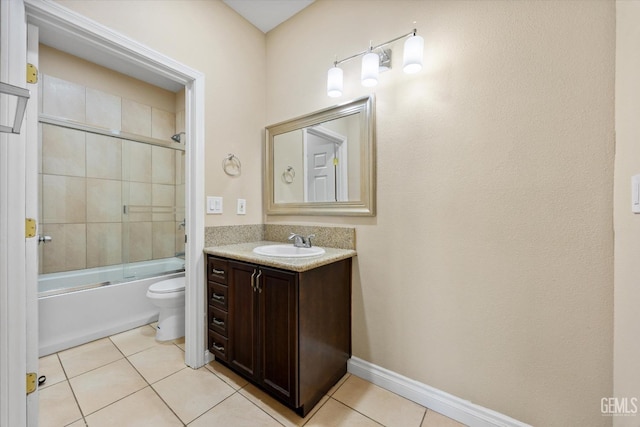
<point>243,319</point>
<point>278,333</point>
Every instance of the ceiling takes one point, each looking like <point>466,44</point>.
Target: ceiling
<point>267,14</point>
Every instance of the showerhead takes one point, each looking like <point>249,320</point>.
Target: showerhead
<point>176,137</point>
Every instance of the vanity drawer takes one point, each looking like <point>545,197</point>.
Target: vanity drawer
<point>218,321</point>
<point>218,295</point>
<point>217,269</point>
<point>218,345</point>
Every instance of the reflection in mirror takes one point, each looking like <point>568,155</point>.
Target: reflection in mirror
<point>323,163</point>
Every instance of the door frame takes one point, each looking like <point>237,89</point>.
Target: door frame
<point>13,292</point>
<point>133,57</point>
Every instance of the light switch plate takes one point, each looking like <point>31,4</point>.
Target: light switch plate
<point>635,194</point>
<point>242,207</point>
<point>214,205</point>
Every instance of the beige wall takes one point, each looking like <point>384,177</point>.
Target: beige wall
<point>488,271</point>
<point>627,225</point>
<point>211,38</point>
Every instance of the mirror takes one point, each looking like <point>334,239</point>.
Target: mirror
<point>323,163</point>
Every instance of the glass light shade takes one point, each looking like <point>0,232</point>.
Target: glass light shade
<point>370,64</point>
<point>412,57</point>
<point>334,82</point>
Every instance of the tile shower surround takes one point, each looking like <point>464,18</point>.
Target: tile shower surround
<point>87,178</point>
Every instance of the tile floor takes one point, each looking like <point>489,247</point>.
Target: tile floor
<point>129,379</point>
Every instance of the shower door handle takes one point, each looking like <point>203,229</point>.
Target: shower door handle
<point>44,239</point>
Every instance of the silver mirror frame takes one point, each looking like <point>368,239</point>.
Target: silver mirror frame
<point>364,207</point>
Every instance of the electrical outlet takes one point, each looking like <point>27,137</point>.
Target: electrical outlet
<point>242,206</point>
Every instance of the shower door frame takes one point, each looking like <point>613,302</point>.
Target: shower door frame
<point>134,58</point>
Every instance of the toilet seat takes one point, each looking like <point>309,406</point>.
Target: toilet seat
<point>168,286</point>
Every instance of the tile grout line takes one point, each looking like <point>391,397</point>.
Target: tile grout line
<point>149,384</point>
<point>73,393</point>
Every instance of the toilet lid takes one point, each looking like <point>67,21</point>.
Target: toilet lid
<point>168,286</point>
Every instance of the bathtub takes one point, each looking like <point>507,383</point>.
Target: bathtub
<point>76,307</point>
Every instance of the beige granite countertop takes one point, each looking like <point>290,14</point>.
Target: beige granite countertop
<point>244,252</point>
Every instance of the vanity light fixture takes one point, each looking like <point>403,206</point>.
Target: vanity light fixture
<point>376,59</point>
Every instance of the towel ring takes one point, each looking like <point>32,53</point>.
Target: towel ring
<point>231,165</point>
<point>288,175</point>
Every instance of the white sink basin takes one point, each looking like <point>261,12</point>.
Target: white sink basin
<point>288,251</point>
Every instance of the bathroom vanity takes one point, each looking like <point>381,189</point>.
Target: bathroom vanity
<point>282,323</point>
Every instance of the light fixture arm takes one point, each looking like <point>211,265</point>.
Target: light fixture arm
<point>372,48</point>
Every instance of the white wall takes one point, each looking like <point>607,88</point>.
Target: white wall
<point>488,271</point>
<point>627,225</point>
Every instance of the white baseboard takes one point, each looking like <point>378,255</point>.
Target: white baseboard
<point>453,407</point>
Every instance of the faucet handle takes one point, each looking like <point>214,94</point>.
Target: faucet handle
<point>308,239</point>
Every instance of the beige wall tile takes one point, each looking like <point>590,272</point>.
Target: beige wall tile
<point>63,199</point>
<point>136,162</point>
<point>104,157</point>
<point>63,151</point>
<point>180,167</point>
<point>163,166</point>
<point>67,249</point>
<point>180,121</point>
<point>61,98</point>
<point>139,241</point>
<point>103,109</point>
<point>163,198</point>
<point>104,244</point>
<point>163,239</point>
<point>137,195</point>
<point>163,124</point>
<point>104,200</point>
<point>136,117</point>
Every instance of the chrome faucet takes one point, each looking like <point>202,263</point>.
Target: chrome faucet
<point>301,241</point>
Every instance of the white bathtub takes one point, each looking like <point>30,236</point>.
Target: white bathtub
<point>73,313</point>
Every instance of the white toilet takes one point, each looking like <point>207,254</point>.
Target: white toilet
<point>168,296</point>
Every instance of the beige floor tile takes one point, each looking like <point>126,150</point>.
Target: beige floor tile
<point>336,414</point>
<point>79,423</point>
<point>50,367</point>
<point>143,408</point>
<point>236,411</point>
<point>379,404</point>
<point>103,386</point>
<point>435,419</point>
<point>58,407</point>
<point>190,393</point>
<point>81,359</point>
<point>135,340</point>
<point>338,384</point>
<point>277,410</point>
<point>180,343</point>
<point>227,375</point>
<point>158,362</point>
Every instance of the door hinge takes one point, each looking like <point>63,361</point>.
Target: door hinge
<point>32,382</point>
<point>29,227</point>
<point>32,74</point>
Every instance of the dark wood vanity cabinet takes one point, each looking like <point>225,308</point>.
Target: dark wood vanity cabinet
<point>287,332</point>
